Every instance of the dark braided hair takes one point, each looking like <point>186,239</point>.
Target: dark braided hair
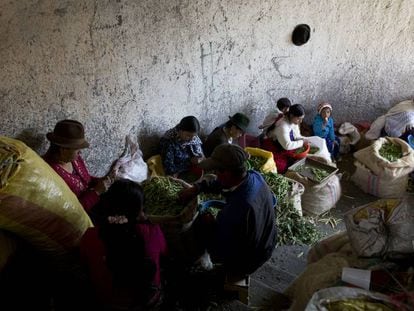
<point>124,247</point>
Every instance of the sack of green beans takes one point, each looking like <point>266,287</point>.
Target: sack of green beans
<point>261,160</point>
<point>318,198</point>
<point>161,201</point>
<point>388,157</point>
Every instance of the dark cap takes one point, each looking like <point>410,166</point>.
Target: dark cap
<point>68,134</point>
<point>240,120</point>
<point>301,34</point>
<point>225,156</point>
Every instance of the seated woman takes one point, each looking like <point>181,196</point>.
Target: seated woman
<point>397,122</point>
<point>323,126</point>
<point>233,129</point>
<point>123,254</point>
<point>180,147</point>
<point>66,140</point>
<point>283,138</point>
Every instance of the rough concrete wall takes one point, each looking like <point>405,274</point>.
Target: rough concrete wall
<point>124,66</point>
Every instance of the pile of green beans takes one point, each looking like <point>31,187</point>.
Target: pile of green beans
<point>292,227</point>
<point>313,150</point>
<point>255,163</point>
<point>161,194</point>
<point>300,150</point>
<point>320,174</point>
<point>391,152</point>
<point>279,185</point>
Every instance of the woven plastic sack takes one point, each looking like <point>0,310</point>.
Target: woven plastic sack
<point>8,247</point>
<point>155,166</point>
<point>378,185</point>
<point>270,165</point>
<point>382,228</point>
<point>366,227</point>
<point>380,166</point>
<point>35,202</point>
<point>318,198</point>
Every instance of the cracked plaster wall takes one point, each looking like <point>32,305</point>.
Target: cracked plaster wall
<point>123,66</point>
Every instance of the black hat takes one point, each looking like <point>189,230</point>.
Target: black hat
<point>301,34</point>
<point>240,120</point>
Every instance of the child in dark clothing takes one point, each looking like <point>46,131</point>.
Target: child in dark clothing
<point>123,253</point>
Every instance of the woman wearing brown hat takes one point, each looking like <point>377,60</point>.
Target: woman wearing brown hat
<point>230,131</point>
<point>66,140</point>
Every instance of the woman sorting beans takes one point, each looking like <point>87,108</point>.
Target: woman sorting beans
<point>283,137</point>
<point>181,148</point>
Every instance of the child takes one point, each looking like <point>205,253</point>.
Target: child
<point>283,105</point>
<point>123,253</point>
<point>323,126</point>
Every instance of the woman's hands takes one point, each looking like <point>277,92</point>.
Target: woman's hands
<point>196,160</point>
<point>187,194</point>
<point>102,184</point>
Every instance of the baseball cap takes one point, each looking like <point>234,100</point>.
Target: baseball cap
<point>225,156</point>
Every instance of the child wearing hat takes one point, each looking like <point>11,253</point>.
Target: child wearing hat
<point>323,126</point>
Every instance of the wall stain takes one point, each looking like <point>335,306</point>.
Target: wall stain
<point>208,87</point>
<point>276,65</point>
<point>61,12</point>
<point>119,19</point>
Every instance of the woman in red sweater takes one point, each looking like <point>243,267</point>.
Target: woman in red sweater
<point>123,254</point>
<point>63,155</point>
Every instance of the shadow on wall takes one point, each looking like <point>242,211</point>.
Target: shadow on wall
<point>35,140</point>
<point>149,145</point>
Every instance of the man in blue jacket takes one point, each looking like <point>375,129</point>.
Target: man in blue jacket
<point>243,236</point>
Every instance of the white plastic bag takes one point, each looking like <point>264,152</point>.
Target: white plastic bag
<point>319,142</point>
<point>350,131</point>
<point>130,164</point>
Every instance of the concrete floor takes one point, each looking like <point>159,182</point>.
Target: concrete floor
<point>289,261</point>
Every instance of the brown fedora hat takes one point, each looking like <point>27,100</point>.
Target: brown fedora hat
<point>68,134</point>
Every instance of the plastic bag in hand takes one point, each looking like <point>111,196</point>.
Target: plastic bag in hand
<point>130,164</point>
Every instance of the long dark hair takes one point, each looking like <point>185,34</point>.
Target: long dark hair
<point>125,252</point>
<point>189,124</point>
